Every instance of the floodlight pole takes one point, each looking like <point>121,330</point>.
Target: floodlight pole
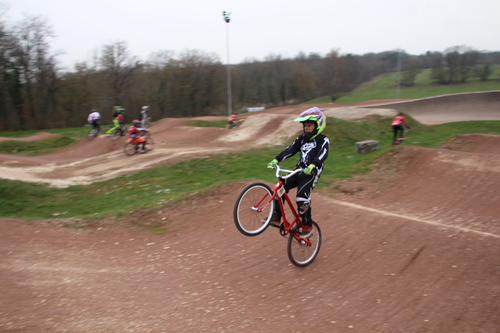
<point>228,68</point>
<point>398,80</point>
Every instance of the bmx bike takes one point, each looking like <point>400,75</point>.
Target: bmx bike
<point>253,211</point>
<point>115,134</point>
<point>93,134</point>
<point>233,124</point>
<point>401,139</point>
<point>132,148</point>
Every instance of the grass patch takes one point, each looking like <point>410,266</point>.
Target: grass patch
<point>152,188</point>
<point>36,147</point>
<point>320,100</point>
<point>384,87</point>
<point>167,185</point>
<point>73,132</point>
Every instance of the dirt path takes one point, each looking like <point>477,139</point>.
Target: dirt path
<point>101,159</point>
<point>415,251</point>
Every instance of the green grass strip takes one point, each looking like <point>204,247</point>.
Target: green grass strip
<point>167,185</point>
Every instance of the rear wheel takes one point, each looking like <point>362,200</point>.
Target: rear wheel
<point>115,135</point>
<point>252,210</point>
<point>302,252</point>
<point>130,148</point>
<point>92,135</point>
<point>150,144</point>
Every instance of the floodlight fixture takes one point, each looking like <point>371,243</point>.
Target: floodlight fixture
<point>228,67</point>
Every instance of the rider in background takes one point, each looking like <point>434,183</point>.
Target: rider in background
<point>232,120</point>
<point>121,121</point>
<point>313,147</point>
<point>118,120</point>
<point>133,133</point>
<point>397,127</point>
<point>94,119</point>
<point>144,116</point>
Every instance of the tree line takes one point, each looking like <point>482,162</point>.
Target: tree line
<point>35,93</point>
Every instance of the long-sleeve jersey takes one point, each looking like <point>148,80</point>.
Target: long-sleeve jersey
<point>314,151</point>
<point>93,116</point>
<point>399,120</point>
<point>120,119</point>
<point>134,131</point>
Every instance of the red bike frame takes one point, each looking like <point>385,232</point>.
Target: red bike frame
<point>279,191</point>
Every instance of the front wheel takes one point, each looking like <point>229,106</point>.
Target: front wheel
<point>130,148</point>
<point>150,144</point>
<point>253,209</point>
<point>302,252</point>
<point>115,135</point>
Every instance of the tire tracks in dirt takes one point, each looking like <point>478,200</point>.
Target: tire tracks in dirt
<point>411,218</point>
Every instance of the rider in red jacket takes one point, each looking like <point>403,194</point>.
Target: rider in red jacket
<point>397,127</point>
<point>133,133</point>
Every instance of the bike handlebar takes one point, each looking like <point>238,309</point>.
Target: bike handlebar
<point>279,170</point>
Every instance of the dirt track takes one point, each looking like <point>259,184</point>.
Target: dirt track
<point>415,251</point>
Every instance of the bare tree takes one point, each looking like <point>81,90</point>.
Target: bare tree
<point>119,68</point>
<point>8,79</point>
<point>411,68</point>
<point>302,82</point>
<point>79,94</point>
<point>37,69</point>
<point>336,77</point>
<point>438,70</point>
<point>460,61</point>
<point>197,77</point>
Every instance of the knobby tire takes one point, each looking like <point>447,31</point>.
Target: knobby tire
<point>115,135</point>
<point>93,134</point>
<point>301,254</point>
<point>150,144</point>
<point>130,148</point>
<point>247,219</point>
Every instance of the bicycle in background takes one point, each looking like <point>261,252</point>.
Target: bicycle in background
<point>401,139</point>
<point>116,133</point>
<point>93,134</point>
<point>132,148</point>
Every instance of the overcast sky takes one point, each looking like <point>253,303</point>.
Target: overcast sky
<point>259,28</point>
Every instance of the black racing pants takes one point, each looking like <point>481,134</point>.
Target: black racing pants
<point>96,124</point>
<point>304,184</point>
<point>397,129</point>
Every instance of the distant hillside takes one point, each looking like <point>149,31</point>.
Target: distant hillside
<point>384,87</point>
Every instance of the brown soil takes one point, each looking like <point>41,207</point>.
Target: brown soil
<point>412,247</point>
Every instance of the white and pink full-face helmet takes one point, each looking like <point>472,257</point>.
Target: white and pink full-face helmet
<point>315,115</point>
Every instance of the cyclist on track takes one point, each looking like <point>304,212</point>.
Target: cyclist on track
<point>118,120</point>
<point>313,147</point>
<point>232,120</point>
<point>94,119</point>
<point>122,121</point>
<point>144,116</point>
<point>133,133</point>
<point>397,127</point>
